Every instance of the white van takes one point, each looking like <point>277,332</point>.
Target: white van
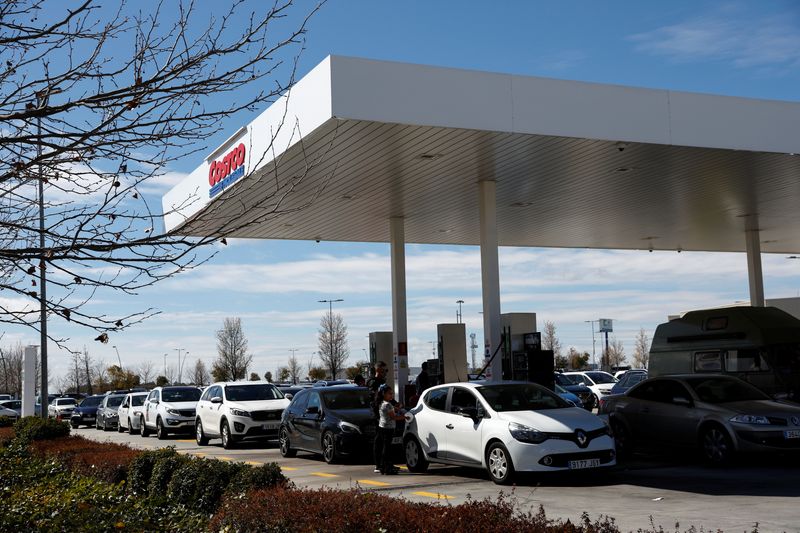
<point>760,345</point>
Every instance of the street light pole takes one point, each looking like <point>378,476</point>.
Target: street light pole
<point>42,276</point>
<point>330,325</point>
<point>118,358</point>
<point>593,342</point>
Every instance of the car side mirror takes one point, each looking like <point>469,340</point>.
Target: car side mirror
<point>680,400</point>
<point>313,410</point>
<point>154,402</point>
<point>216,399</point>
<point>469,412</point>
<point>288,395</point>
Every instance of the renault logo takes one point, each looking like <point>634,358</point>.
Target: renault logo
<point>581,437</point>
<point>796,421</point>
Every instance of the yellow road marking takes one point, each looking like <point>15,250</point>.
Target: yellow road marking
<point>433,495</point>
<point>199,454</point>
<point>323,474</point>
<point>403,467</point>
<point>254,463</point>
<point>373,483</point>
<point>185,440</point>
<point>223,458</point>
<point>289,468</point>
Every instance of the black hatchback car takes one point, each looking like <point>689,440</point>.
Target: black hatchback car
<point>333,421</point>
<point>86,412</point>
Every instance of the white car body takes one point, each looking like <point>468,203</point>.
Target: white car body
<point>219,415</point>
<point>62,408</point>
<point>13,405</point>
<point>169,410</point>
<point>4,397</point>
<point>598,389</point>
<point>572,438</point>
<point>131,411</point>
<point>10,413</point>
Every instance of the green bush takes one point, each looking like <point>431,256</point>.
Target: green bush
<point>163,470</point>
<point>32,428</point>
<point>201,483</point>
<point>258,477</point>
<point>141,469</point>
<point>6,422</point>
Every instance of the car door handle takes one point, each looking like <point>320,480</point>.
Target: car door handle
<point>449,426</point>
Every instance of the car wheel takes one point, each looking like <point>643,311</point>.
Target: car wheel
<point>227,439</point>
<point>716,445</point>
<point>286,444</point>
<point>97,423</point>
<point>161,432</point>
<point>594,402</point>
<point>143,431</point>
<point>622,439</point>
<point>415,458</point>
<point>74,425</point>
<point>499,465</point>
<point>329,452</point>
<point>130,427</point>
<point>200,437</point>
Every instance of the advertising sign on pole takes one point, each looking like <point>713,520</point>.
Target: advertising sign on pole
<point>606,325</point>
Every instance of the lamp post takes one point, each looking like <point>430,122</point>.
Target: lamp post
<point>180,362</point>
<point>118,358</point>
<point>330,325</point>
<point>593,342</point>
<point>458,313</point>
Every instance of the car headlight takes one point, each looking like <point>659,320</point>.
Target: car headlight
<point>174,412</point>
<point>347,427</point>
<point>751,419</point>
<point>526,434</point>
<point>240,412</point>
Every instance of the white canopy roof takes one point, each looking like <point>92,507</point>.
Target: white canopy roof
<point>576,164</point>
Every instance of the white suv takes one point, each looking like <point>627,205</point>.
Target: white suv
<point>169,410</point>
<point>234,411</point>
<point>600,382</point>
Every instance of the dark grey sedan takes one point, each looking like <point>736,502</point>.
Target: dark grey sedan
<point>720,415</point>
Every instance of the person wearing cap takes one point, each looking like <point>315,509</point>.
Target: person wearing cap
<point>389,413</point>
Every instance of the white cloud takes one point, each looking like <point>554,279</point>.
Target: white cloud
<point>730,35</point>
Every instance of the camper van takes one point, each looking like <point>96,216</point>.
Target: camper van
<point>760,345</point>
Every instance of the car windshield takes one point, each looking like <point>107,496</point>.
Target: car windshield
<point>189,394</point>
<point>252,393</point>
<point>563,380</point>
<point>114,401</point>
<point>724,390</point>
<point>66,401</point>
<point>137,401</point>
<point>601,377</point>
<point>92,401</point>
<point>346,399</point>
<point>560,389</point>
<point>521,397</point>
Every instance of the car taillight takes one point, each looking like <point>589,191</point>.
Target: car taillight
<point>601,407</point>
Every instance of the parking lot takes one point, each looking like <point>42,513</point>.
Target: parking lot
<point>668,489</point>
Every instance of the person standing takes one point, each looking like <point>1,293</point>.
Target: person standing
<point>423,381</point>
<point>389,413</point>
<point>373,384</point>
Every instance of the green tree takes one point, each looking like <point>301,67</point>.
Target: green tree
<point>162,381</point>
<point>122,379</point>
<point>254,377</point>
<point>317,373</point>
<point>284,374</point>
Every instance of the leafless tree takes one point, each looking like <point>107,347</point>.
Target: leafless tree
<point>97,102</point>
<point>332,342</point>
<point>295,368</point>
<point>233,361</point>
<point>641,350</point>
<point>171,373</point>
<point>146,370</point>
<point>86,363</point>
<point>200,375</point>
<point>550,339</point>
<point>12,358</point>
<point>616,353</point>
<point>100,375</point>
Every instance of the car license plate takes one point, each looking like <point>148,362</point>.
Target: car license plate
<point>583,463</point>
<point>269,426</point>
<point>791,434</point>
<point>397,440</point>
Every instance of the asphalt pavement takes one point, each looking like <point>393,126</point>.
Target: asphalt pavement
<point>648,489</point>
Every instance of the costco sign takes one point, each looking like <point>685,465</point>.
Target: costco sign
<point>225,171</point>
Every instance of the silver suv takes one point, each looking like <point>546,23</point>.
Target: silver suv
<point>169,410</point>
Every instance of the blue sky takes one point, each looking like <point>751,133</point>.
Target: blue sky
<point>734,48</point>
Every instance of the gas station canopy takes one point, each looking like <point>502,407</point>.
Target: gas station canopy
<point>357,142</point>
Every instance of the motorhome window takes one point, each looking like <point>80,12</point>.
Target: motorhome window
<point>708,362</point>
<point>745,361</point>
<point>716,323</point>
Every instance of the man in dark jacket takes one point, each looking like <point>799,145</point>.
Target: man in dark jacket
<point>423,380</point>
<point>374,384</point>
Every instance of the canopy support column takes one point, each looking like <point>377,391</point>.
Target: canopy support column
<point>490,277</point>
<point>399,317</point>
<point>754,274</point>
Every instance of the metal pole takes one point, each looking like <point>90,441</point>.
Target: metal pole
<point>458,314</point>
<point>490,275</point>
<point>593,341</point>
<point>118,358</point>
<point>165,364</point>
<point>42,277</point>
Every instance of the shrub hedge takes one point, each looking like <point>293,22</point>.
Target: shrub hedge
<point>6,422</point>
<point>32,428</point>
<point>105,461</point>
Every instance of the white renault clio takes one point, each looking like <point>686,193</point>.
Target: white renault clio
<point>504,427</point>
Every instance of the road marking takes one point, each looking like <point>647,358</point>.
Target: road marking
<point>254,463</point>
<point>185,440</point>
<point>433,495</point>
<point>289,468</point>
<point>324,474</point>
<point>403,467</point>
<point>373,483</point>
<point>223,457</point>
<point>199,454</point>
